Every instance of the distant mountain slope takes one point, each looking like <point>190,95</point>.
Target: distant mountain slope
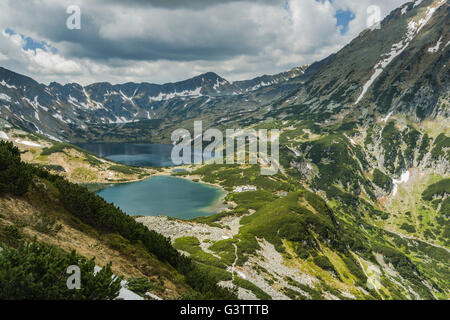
<point>402,67</point>
<point>62,111</point>
<point>268,80</point>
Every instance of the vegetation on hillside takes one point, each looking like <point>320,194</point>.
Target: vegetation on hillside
<point>94,211</point>
<point>382,180</point>
<point>440,188</point>
<point>34,270</point>
<point>303,226</point>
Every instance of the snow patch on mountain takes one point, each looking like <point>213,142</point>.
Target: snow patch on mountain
<point>28,143</point>
<point>5,84</point>
<point>91,103</point>
<point>387,117</point>
<point>35,104</point>
<point>404,9</point>
<point>3,135</point>
<point>120,120</point>
<point>396,49</point>
<point>126,98</point>
<point>59,117</point>
<point>219,83</point>
<point>79,105</point>
<point>436,47</point>
<point>295,151</point>
<point>404,178</point>
<point>6,107</point>
<point>111,93</point>
<point>417,3</point>
<point>262,84</point>
<point>52,137</point>
<point>5,97</point>
<point>175,94</point>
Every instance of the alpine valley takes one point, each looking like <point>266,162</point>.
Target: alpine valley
<point>359,210</point>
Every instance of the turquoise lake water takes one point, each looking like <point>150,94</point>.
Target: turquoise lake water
<point>164,195</point>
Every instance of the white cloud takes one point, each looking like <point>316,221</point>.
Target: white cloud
<point>39,61</point>
<point>120,43</point>
<point>50,63</point>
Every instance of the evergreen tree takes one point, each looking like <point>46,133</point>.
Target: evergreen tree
<point>38,271</point>
<point>15,176</point>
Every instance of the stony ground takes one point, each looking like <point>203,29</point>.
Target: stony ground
<point>267,257</point>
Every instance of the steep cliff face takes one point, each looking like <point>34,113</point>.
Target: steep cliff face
<point>401,67</point>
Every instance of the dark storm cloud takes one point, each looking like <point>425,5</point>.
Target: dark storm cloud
<point>90,43</point>
<point>185,4</point>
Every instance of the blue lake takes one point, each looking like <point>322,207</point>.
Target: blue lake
<point>164,195</point>
<point>159,195</point>
<point>133,154</point>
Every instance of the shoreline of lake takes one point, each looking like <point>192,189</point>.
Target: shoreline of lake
<point>156,155</point>
<point>184,205</point>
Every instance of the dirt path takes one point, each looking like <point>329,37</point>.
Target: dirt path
<point>368,278</point>
<point>235,260</point>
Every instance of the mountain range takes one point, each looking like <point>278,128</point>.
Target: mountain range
<point>364,183</point>
<point>58,111</point>
<point>400,67</point>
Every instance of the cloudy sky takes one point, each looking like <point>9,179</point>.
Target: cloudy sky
<point>162,41</point>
